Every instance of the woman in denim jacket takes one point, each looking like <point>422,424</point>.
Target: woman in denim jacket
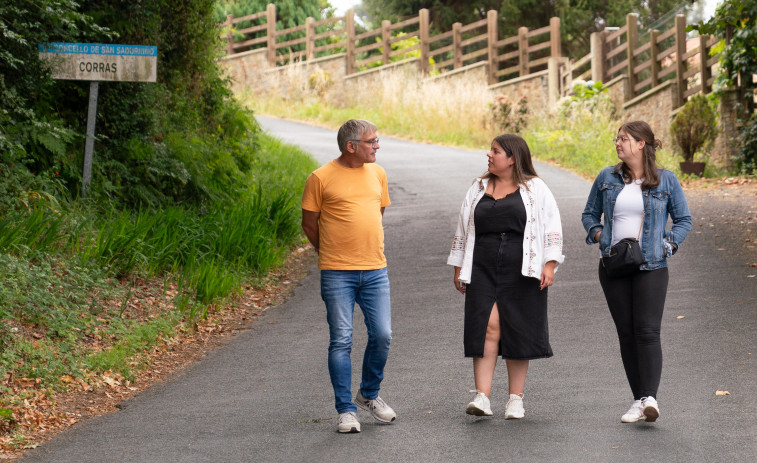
<point>636,197</point>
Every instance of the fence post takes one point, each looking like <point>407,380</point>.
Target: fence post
<point>229,35</point>
<point>492,37</point>
<point>457,47</point>
<point>598,56</point>
<point>680,34</point>
<point>271,32</point>
<point>523,50</point>
<point>386,35</point>
<point>423,33</point>
<point>654,50</point>
<point>309,39</point>
<point>349,24</point>
<point>554,37</point>
<point>554,81</point>
<point>632,37</point>
<point>704,71</point>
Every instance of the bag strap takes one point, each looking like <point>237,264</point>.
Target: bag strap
<point>643,214</point>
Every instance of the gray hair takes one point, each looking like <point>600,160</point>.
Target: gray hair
<point>353,130</point>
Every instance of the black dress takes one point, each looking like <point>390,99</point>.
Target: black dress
<point>496,276</point>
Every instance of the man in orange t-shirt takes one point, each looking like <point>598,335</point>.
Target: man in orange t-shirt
<point>342,210</point>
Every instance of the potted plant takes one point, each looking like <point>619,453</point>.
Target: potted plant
<point>694,127</point>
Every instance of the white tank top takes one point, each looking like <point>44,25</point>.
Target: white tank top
<point>628,213</point>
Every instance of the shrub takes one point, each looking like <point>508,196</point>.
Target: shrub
<point>508,117</point>
<point>746,159</point>
<point>320,81</point>
<point>587,89</point>
<point>695,126</point>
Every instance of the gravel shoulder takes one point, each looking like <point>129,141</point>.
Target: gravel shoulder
<point>726,210</point>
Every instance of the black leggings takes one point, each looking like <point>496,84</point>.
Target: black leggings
<point>636,303</point>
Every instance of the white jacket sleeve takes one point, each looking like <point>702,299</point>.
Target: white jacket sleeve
<point>457,253</point>
<point>553,237</point>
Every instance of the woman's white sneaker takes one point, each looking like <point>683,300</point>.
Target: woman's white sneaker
<point>651,410</point>
<point>479,406</point>
<point>634,414</point>
<point>514,409</point>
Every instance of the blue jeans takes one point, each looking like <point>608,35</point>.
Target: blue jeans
<point>340,290</point>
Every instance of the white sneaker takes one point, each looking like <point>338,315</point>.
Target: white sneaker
<point>348,422</point>
<point>651,410</point>
<point>479,406</point>
<point>515,408</point>
<point>378,408</point>
<point>634,413</point>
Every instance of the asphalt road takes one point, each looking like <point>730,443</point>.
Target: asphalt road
<point>266,396</point>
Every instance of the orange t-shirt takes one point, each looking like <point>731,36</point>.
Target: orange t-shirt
<point>350,229</point>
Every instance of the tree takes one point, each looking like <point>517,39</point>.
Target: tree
<point>144,153</point>
<point>289,13</point>
<point>34,127</point>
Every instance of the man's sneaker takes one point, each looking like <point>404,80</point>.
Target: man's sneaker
<point>634,414</point>
<point>378,408</point>
<point>348,422</point>
<point>651,410</point>
<point>515,408</point>
<point>479,406</point>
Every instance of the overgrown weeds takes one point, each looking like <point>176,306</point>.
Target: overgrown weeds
<point>460,112</point>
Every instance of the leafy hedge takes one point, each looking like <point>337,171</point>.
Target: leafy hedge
<point>174,140</point>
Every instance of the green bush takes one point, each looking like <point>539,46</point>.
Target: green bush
<point>695,126</point>
<point>508,117</point>
<point>746,159</point>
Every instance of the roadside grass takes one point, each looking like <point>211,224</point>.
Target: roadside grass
<point>462,113</point>
<point>580,138</point>
<point>73,303</point>
<point>402,104</point>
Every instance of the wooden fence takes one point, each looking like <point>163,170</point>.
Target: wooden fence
<point>647,61</point>
<point>663,55</point>
<point>510,57</point>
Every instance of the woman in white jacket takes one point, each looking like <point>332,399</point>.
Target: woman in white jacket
<point>507,246</point>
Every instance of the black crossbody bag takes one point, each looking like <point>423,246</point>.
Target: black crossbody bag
<point>625,255</point>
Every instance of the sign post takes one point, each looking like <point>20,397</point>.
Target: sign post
<point>89,143</point>
<point>99,62</point>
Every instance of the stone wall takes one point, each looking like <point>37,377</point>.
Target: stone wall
<point>355,84</point>
<point>656,108</point>
<point>533,87</point>
<point>616,89</point>
<point>478,71</point>
<point>245,68</point>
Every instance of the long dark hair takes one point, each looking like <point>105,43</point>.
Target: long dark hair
<point>640,130</point>
<point>516,147</point>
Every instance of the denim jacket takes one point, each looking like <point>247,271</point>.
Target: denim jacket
<point>665,200</point>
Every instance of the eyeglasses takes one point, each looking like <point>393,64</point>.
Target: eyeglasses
<point>621,139</point>
<point>374,142</point>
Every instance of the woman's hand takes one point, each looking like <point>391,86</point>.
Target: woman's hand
<point>459,285</point>
<point>597,235</point>
<point>548,274</point>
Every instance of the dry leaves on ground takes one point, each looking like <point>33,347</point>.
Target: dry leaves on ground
<point>42,414</point>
